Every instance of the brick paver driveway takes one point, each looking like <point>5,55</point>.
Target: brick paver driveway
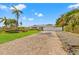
<point>44,43</point>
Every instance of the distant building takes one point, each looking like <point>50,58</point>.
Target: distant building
<point>47,27</point>
<point>38,27</point>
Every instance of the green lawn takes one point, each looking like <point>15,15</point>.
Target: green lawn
<point>5,37</point>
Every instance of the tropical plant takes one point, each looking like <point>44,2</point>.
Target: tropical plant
<point>17,12</point>
<point>74,20</point>
<point>21,23</point>
<point>5,21</point>
<point>12,22</point>
<point>70,18</point>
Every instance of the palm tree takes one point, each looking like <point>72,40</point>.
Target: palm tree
<point>21,23</point>
<point>17,12</point>
<point>5,21</point>
<point>8,22</point>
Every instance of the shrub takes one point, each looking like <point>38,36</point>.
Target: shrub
<point>22,29</point>
<point>68,28</point>
<point>76,30</point>
<point>12,31</point>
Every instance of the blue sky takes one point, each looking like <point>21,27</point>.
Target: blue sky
<point>37,13</point>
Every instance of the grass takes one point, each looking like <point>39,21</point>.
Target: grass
<point>5,37</point>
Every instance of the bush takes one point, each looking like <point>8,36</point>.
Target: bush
<point>76,30</point>
<point>22,29</point>
<point>13,31</point>
<point>68,28</point>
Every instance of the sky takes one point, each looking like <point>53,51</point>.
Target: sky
<point>36,13</point>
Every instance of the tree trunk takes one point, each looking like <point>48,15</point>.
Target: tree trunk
<point>17,22</point>
<point>73,29</point>
<point>62,28</point>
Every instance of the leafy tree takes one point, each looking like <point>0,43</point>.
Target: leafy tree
<point>12,22</point>
<point>69,18</point>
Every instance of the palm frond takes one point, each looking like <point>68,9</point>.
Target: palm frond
<point>14,7</point>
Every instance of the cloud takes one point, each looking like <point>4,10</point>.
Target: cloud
<point>30,19</point>
<point>73,6</point>
<point>3,7</point>
<point>36,13</point>
<point>39,14</point>
<point>19,6</point>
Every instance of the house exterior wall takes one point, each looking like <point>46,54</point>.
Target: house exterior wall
<point>52,28</point>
